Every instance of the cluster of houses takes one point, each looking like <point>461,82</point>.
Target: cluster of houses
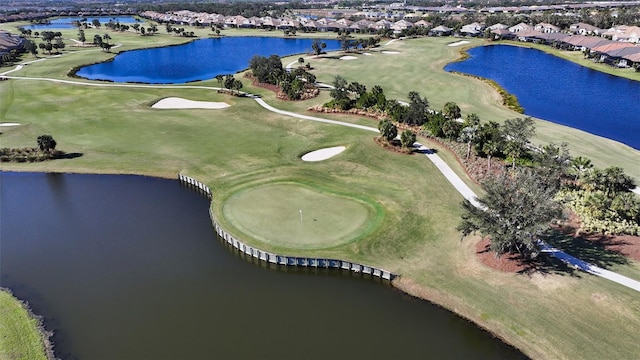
<point>186,17</point>
<point>618,46</point>
<point>9,42</point>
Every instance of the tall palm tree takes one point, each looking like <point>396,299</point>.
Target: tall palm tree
<point>581,165</point>
<point>491,149</point>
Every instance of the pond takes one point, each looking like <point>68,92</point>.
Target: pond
<point>67,22</point>
<point>129,267</point>
<point>560,91</point>
<point>197,60</point>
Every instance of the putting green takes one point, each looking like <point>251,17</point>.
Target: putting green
<point>297,216</point>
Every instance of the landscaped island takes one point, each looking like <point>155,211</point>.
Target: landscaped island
<point>547,315</point>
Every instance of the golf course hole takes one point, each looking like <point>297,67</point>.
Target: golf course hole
<point>296,216</point>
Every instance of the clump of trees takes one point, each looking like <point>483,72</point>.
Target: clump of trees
<point>294,84</point>
<point>45,150</point>
<point>514,213</point>
<point>230,83</point>
<point>51,41</point>
<point>602,199</point>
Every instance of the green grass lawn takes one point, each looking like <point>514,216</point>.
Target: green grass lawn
<point>419,66</point>
<point>20,336</point>
<point>554,313</point>
<point>297,216</point>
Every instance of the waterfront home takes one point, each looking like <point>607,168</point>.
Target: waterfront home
<point>583,43</point>
<point>502,34</point>
<point>614,53</point>
<point>624,33</point>
<point>473,29</point>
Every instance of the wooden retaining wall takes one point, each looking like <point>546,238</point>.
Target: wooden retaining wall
<point>281,259</point>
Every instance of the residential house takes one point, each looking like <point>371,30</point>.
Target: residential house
<point>473,29</point>
<point>422,23</point>
<point>440,31</point>
<point>498,26</point>
<point>520,27</point>
<point>546,28</point>
<point>584,29</point>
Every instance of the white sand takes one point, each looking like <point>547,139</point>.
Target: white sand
<point>462,42</point>
<point>9,124</point>
<point>348,57</point>
<point>179,103</point>
<point>391,52</point>
<point>323,154</point>
<point>367,54</point>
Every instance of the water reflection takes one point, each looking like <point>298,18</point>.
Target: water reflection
<point>136,273</point>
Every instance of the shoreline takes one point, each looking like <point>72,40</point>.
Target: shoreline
<point>44,335</point>
<point>400,282</point>
<point>514,104</point>
<point>452,303</point>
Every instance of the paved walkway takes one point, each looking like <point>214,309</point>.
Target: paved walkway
<point>468,194</point>
<point>449,174</point>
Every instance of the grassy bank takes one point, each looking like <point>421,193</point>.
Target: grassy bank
<point>419,66</point>
<point>21,336</point>
<point>554,313</point>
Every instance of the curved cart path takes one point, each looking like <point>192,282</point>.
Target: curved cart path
<point>468,194</point>
<point>449,174</point>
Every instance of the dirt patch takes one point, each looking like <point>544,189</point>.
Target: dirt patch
<point>509,263</point>
<point>627,245</point>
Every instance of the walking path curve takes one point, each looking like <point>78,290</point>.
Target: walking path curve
<point>449,174</point>
<point>468,194</point>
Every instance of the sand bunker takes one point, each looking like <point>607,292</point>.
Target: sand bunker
<point>458,43</point>
<point>367,54</point>
<point>348,57</point>
<point>323,154</point>
<point>179,103</point>
<point>9,124</point>
<point>391,52</point>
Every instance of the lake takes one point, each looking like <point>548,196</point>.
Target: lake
<point>129,267</point>
<point>201,59</point>
<point>67,22</point>
<point>560,91</point>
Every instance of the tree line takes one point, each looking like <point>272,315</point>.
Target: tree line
<point>522,199</point>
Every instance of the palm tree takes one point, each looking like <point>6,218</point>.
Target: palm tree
<point>581,165</point>
<point>468,135</point>
<point>106,38</point>
<point>220,79</point>
<point>490,148</point>
<point>46,143</point>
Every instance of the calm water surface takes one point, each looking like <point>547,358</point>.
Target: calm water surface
<point>560,91</point>
<point>126,267</point>
<point>197,60</point>
<point>67,22</point>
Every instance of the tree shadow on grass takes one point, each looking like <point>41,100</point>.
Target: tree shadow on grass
<point>63,155</point>
<point>593,250</point>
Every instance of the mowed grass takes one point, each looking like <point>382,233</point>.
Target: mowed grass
<point>555,313</point>
<point>19,334</point>
<point>418,66</point>
<point>297,216</point>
